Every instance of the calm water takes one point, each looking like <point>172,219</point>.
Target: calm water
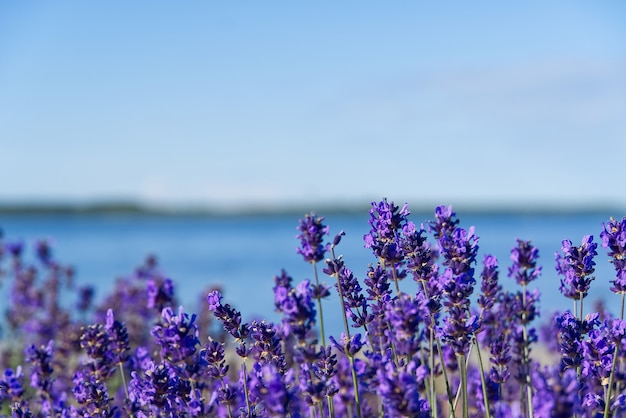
<point>244,254</point>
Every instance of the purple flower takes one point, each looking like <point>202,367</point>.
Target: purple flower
<point>405,315</point>
<point>41,362</point>
<point>85,299</point>
<point>614,239</point>
<point>119,344</point>
<point>298,309</point>
<point>489,282</point>
<point>93,396</point>
<point>524,268</point>
<point>500,358</point>
<point>230,317</point>
<point>570,338</point>
<point>556,394</point>
<point>160,293</point>
<point>348,345</point>
<point>11,384</point>
<point>386,221</point>
<point>273,391</point>
<point>597,355</point>
<point>312,232</point>
<point>177,335</point>
<point>459,250</point>
<point>399,391</point>
<point>155,391</point>
<point>215,357</point>
<point>14,248</point>
<point>445,222</point>
<point>576,266</point>
<point>418,253</point>
<point>95,341</point>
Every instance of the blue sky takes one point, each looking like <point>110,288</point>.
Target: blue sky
<point>273,103</point>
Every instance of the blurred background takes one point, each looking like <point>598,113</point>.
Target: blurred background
<point>219,108</point>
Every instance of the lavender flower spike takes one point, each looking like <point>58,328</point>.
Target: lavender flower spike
<point>576,266</point>
<point>614,240</point>
<point>312,232</point>
<point>524,268</point>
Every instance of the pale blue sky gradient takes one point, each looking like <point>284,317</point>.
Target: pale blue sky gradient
<point>271,103</point>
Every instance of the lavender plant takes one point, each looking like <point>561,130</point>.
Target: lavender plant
<point>438,352</point>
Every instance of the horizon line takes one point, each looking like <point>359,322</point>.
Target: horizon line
<point>136,207</point>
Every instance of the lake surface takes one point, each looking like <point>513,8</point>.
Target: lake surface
<point>243,254</point>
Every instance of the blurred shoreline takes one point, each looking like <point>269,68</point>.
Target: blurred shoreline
<point>129,208</point>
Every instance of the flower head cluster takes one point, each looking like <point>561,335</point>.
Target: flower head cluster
<point>410,342</point>
<point>298,308</point>
<point>177,335</point>
<point>576,265</point>
<point>312,233</point>
<point>524,268</point>
<point>614,240</point>
<point>386,221</point>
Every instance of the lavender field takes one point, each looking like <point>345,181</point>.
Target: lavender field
<point>386,313</point>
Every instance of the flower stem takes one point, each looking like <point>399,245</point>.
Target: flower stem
<point>607,401</point>
<point>463,371</point>
<point>355,383</point>
<point>319,306</point>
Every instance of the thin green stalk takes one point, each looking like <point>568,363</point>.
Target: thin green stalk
<point>445,377</point>
<point>355,383</point>
<point>482,378</point>
<point>394,275</point>
<point>433,392</point>
<point>443,368</point>
<point>319,306</point>
<point>607,400</point>
<point>526,359</point>
<point>331,407</point>
<point>245,385</point>
<point>463,371</point>
<point>121,366</point>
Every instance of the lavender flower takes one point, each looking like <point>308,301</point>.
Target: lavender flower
<point>177,335</point>
<point>312,232</point>
<point>40,359</point>
<point>230,318</point>
<point>489,283</point>
<point>119,344</point>
<point>459,250</point>
<point>614,239</point>
<point>298,309</point>
<point>576,266</point>
<point>445,222</point>
<point>570,338</point>
<point>524,268</point>
<point>386,221</point>
<point>11,385</point>
<point>160,293</point>
<point>93,397</point>
<point>348,345</point>
<point>399,392</point>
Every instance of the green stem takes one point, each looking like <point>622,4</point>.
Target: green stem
<point>526,359</point>
<point>121,366</point>
<point>319,306</point>
<point>245,385</point>
<point>607,403</point>
<point>355,384</point>
<point>482,378</point>
<point>394,275</point>
<point>443,368</point>
<point>431,355</point>
<point>463,371</point>
<point>331,407</point>
<point>343,308</point>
